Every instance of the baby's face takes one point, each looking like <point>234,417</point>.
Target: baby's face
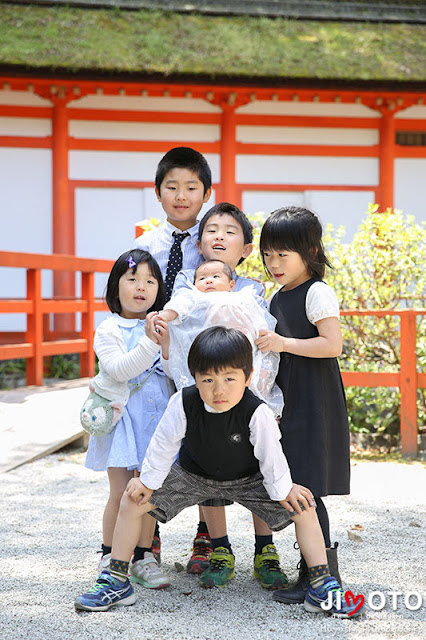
<point>211,277</point>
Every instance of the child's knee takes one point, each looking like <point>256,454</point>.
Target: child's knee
<point>309,514</point>
<point>128,507</point>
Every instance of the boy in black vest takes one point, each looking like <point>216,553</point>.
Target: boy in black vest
<point>228,444</point>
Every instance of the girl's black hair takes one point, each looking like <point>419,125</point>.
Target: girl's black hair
<point>120,267</point>
<point>295,229</point>
<point>218,348</point>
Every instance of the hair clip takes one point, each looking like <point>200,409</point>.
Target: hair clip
<point>131,262</point>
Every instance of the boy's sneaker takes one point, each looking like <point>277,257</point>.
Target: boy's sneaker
<point>201,550</point>
<point>107,592</point>
<point>330,593</point>
<point>220,570</point>
<point>267,569</point>
<point>147,573</point>
<point>104,563</point>
<point>156,548</point>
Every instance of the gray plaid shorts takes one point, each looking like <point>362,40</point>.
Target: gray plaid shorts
<point>182,489</point>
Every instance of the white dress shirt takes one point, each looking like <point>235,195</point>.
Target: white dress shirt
<point>159,241</point>
<point>265,437</point>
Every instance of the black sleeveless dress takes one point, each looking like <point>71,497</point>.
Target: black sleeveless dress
<point>314,425</point>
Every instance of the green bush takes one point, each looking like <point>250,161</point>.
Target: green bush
<point>382,268</point>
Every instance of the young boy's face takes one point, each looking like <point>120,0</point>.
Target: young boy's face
<point>222,390</point>
<point>211,277</point>
<point>223,239</point>
<point>182,196</point>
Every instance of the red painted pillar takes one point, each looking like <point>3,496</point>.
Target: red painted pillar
<point>408,384</point>
<point>228,191</point>
<point>387,159</point>
<point>63,216</point>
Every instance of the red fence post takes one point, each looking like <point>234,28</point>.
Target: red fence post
<point>87,358</point>
<point>34,333</point>
<point>408,384</point>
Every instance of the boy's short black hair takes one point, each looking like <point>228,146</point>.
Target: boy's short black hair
<point>120,267</point>
<point>218,348</point>
<point>184,158</point>
<point>230,209</point>
<point>226,269</point>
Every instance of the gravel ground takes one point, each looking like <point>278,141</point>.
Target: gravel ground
<point>51,529</point>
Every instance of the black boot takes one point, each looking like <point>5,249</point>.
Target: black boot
<point>333,564</point>
<point>296,593</point>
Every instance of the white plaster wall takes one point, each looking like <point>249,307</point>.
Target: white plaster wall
<point>23,99</point>
<point>410,186</point>
<point>417,111</point>
<point>287,108</point>
<point>267,201</point>
<point>339,208</point>
<point>25,127</point>
<point>26,216</point>
<point>307,170</point>
<point>136,103</point>
<point>307,135</point>
<point>123,165</point>
<point>144,131</point>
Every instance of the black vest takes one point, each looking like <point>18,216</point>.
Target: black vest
<point>217,445</point>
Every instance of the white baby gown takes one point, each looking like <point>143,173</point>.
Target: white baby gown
<point>237,310</point>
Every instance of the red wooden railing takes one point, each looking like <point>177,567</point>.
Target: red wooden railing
<point>35,347</point>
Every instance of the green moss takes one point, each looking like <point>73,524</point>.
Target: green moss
<point>76,39</point>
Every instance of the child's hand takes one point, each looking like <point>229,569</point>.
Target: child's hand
<point>270,341</point>
<point>150,327</point>
<point>138,492</point>
<point>298,494</point>
<point>163,335</point>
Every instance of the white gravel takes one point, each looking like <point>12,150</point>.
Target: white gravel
<point>51,528</point>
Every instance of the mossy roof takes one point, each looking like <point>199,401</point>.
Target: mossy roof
<point>75,40</point>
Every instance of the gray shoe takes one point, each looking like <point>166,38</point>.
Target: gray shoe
<point>147,573</point>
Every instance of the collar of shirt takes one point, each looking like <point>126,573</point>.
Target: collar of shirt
<point>127,322</point>
<point>170,228</point>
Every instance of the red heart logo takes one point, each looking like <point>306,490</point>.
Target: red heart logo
<point>350,598</point>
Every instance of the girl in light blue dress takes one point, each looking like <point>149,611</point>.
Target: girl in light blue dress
<point>128,348</point>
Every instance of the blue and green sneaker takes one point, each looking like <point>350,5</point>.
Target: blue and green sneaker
<point>107,592</point>
<point>221,569</point>
<point>267,569</point>
<point>330,598</point>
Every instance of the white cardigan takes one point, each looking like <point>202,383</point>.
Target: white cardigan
<point>117,365</point>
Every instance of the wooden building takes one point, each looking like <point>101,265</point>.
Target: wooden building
<point>290,102</point>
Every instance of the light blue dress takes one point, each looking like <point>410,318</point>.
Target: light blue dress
<point>127,443</point>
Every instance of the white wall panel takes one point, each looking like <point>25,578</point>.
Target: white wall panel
<point>307,135</point>
<point>418,111</point>
<point>308,109</point>
<point>123,165</point>
<point>112,165</point>
<point>410,186</point>
<point>23,99</point>
<point>25,127</point>
<point>26,216</point>
<point>340,208</point>
<point>306,170</point>
<point>268,201</point>
<point>135,103</point>
<point>144,131</point>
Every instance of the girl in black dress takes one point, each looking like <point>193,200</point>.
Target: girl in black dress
<point>314,424</point>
